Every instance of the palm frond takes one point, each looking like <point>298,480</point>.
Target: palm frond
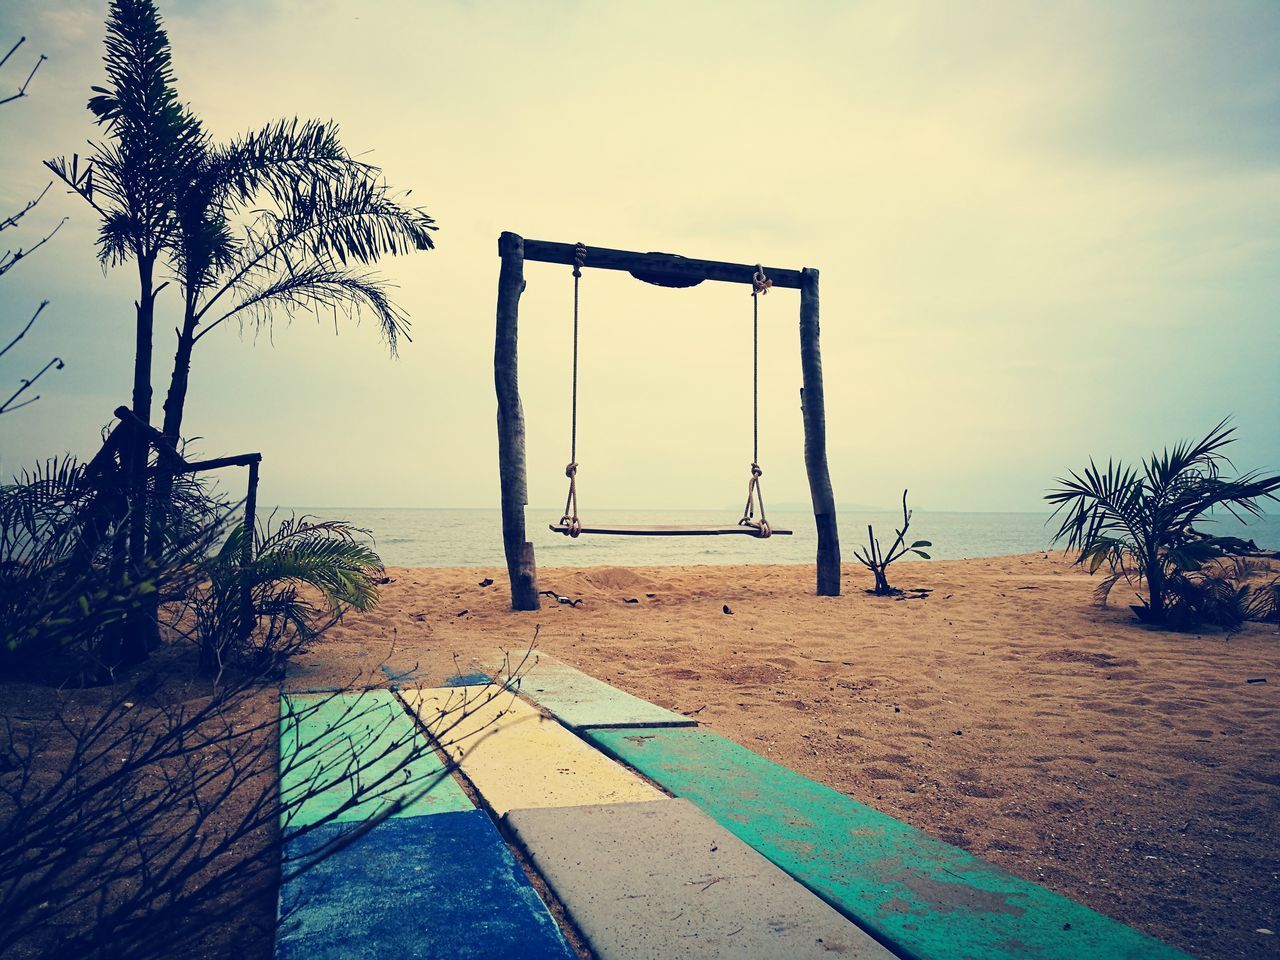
<point>319,287</point>
<point>277,157</point>
<point>153,145</point>
<point>344,218</point>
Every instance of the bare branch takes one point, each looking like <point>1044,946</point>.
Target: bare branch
<point>13,219</point>
<point>8,406</point>
<point>10,258</point>
<point>22,90</point>
<point>24,330</point>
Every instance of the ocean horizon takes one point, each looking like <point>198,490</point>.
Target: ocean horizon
<point>472,537</point>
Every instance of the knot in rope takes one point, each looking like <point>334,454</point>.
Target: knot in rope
<point>759,282</point>
<point>570,519</point>
<point>755,500</point>
<point>579,259</point>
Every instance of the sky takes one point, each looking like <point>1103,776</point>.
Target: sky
<point>1045,232</point>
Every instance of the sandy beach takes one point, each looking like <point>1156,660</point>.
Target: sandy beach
<point>1133,770</point>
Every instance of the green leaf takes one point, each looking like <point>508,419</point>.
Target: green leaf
<point>921,543</point>
<point>922,554</point>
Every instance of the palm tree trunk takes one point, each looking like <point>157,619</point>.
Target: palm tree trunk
<point>176,399</point>
<point>1155,591</point>
<point>174,405</point>
<point>141,631</point>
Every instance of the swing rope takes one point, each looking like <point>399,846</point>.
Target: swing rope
<point>570,518</point>
<point>760,285</point>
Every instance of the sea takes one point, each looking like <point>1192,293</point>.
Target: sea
<point>429,537</point>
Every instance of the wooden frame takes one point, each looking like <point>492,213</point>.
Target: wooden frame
<point>175,463</point>
<point>513,251</point>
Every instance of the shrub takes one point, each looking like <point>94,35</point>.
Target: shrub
<point>305,574</point>
<point>1141,524</point>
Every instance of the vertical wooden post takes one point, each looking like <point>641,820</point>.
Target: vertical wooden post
<point>813,408</point>
<point>250,528</point>
<point>521,567</point>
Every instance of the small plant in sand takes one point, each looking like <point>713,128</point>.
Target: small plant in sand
<point>877,560</point>
<point>304,576</point>
<point>1141,524</point>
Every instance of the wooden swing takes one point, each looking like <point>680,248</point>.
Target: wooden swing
<point>669,270</point>
<point>571,526</point>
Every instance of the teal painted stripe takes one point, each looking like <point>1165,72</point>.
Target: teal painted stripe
<point>925,898</point>
<point>336,748</point>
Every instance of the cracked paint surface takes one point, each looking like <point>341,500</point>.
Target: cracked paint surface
<point>928,899</point>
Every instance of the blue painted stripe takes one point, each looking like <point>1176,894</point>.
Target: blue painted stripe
<point>415,888</point>
<point>467,680</point>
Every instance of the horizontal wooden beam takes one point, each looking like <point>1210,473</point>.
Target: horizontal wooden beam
<point>239,460</point>
<point>548,251</point>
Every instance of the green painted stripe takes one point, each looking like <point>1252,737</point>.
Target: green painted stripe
<point>336,749</point>
<point>925,898</point>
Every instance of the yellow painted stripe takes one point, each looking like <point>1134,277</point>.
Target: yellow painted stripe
<point>515,757</point>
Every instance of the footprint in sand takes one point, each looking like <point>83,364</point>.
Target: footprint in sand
<point>679,673</point>
<point>980,791</point>
<point>881,773</point>
<point>896,758</point>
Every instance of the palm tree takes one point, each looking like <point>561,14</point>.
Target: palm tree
<point>318,210</point>
<point>132,179</point>
<point>1141,522</point>
<point>320,217</point>
<point>169,198</point>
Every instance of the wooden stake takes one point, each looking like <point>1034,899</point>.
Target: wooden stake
<point>521,567</point>
<point>250,532</point>
<point>813,408</point>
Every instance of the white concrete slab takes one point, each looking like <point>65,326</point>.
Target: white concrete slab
<point>663,881</point>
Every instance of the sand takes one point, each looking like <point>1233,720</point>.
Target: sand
<point>1133,770</point>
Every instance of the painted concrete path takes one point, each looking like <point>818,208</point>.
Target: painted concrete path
<point>925,898</point>
<point>324,739</point>
<point>442,886</point>
<point>580,701</point>
<point>515,757</point>
<point>663,881</point>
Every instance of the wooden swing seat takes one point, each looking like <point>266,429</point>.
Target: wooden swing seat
<point>671,530</point>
